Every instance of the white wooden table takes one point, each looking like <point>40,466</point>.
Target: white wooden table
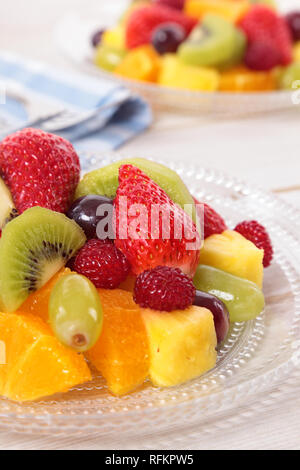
<point>264,150</point>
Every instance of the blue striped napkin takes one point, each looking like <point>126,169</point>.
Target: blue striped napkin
<point>75,92</point>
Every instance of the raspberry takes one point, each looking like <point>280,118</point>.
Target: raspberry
<point>102,263</point>
<point>262,56</point>
<point>213,222</point>
<point>165,289</point>
<point>258,235</point>
<point>177,4</point>
<point>263,24</point>
<point>40,169</point>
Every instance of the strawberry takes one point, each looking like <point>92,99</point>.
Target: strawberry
<point>145,20</point>
<point>213,223</point>
<point>177,4</point>
<point>264,25</point>
<point>40,169</point>
<point>149,226</point>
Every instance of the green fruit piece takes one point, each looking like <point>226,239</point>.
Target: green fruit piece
<point>33,247</point>
<point>105,182</point>
<point>7,207</point>
<point>108,58</point>
<point>243,299</point>
<point>75,312</point>
<point>212,43</point>
<point>239,50</point>
<point>289,76</point>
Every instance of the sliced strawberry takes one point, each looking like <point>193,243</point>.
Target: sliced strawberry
<point>150,229</point>
<point>40,169</point>
<point>263,24</point>
<point>143,22</point>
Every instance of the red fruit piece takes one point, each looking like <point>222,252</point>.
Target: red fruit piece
<point>102,263</point>
<point>263,24</point>
<point>40,169</point>
<point>293,21</point>
<point>177,4</point>
<point>164,289</point>
<point>150,229</point>
<point>262,56</point>
<point>143,22</point>
<point>213,222</point>
<point>258,235</point>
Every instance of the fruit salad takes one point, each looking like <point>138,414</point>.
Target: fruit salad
<point>121,271</point>
<point>205,45</point>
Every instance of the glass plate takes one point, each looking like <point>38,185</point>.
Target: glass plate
<point>73,34</point>
<point>256,356</point>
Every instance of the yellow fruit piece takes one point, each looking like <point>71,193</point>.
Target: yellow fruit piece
<point>37,364</point>
<point>114,38</point>
<point>182,344</point>
<point>121,353</point>
<point>142,63</point>
<point>241,79</point>
<point>176,74</point>
<point>37,302</point>
<point>232,10</point>
<point>297,52</point>
<point>233,253</point>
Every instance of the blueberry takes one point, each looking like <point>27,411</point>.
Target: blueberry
<point>293,20</point>
<point>84,212</point>
<point>168,37</point>
<point>219,311</point>
<point>97,37</point>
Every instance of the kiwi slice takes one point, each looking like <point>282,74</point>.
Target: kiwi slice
<point>33,247</point>
<point>239,50</point>
<point>105,182</point>
<point>7,207</point>
<point>210,44</point>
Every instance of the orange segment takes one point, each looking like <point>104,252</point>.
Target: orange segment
<point>37,364</point>
<point>128,284</point>
<point>118,298</point>
<point>121,354</point>
<point>241,79</point>
<point>142,63</point>
<point>37,302</point>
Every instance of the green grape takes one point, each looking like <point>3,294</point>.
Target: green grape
<point>75,312</point>
<point>108,58</point>
<point>243,299</point>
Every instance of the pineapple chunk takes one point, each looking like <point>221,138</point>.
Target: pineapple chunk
<point>233,253</point>
<point>182,344</point>
<point>229,9</point>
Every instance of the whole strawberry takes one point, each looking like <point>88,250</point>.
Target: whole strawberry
<point>213,223</point>
<point>102,263</point>
<point>150,229</point>
<point>145,20</point>
<point>258,235</point>
<point>263,24</point>
<point>40,169</point>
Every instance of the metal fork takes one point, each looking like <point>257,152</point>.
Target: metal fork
<point>51,117</point>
